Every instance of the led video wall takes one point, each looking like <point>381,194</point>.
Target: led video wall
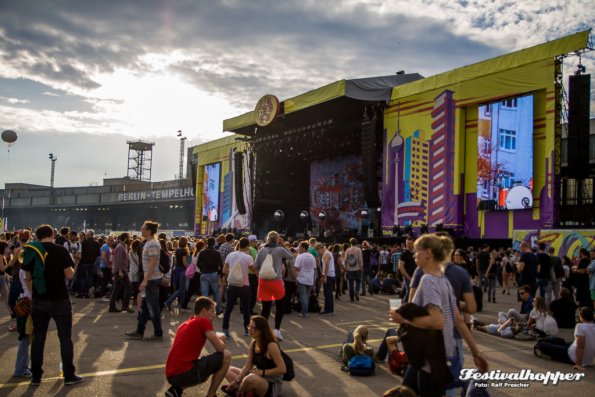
<point>210,193</point>
<point>505,154</point>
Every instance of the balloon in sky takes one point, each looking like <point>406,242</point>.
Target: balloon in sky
<point>9,137</point>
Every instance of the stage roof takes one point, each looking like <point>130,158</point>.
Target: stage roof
<point>366,89</point>
<point>551,49</point>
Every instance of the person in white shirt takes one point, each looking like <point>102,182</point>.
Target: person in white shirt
<point>304,269</point>
<point>237,287</point>
<point>328,278</point>
<point>581,352</point>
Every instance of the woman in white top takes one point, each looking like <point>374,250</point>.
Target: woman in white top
<point>540,320</point>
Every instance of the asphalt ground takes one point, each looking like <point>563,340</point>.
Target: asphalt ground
<point>115,366</point>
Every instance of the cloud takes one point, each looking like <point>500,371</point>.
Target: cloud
<point>50,94</point>
<point>13,101</point>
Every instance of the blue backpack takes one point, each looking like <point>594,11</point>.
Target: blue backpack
<point>361,365</point>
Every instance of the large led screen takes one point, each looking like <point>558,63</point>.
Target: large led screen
<point>505,154</point>
<point>210,192</point>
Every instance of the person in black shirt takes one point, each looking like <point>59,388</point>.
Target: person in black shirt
<point>483,262</point>
<point>543,271</point>
<point>564,309</point>
<point>87,270</point>
<point>45,276</point>
<point>527,267</point>
<point>580,279</point>
<point>210,264</point>
<point>407,266</point>
<point>63,237</point>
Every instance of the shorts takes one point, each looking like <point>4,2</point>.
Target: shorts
<point>204,367</point>
<point>270,290</point>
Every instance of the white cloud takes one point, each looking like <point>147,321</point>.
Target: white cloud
<point>13,101</point>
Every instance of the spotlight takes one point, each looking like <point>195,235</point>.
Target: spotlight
<point>279,215</point>
<point>322,215</point>
<point>364,213</point>
<point>304,215</point>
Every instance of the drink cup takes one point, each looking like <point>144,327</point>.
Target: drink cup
<point>394,304</point>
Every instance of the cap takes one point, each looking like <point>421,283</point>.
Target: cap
<point>252,237</point>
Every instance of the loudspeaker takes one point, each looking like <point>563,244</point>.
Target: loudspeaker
<point>579,96</point>
<point>238,177</point>
<point>193,171</point>
<point>369,158</point>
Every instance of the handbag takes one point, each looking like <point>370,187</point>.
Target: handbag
<point>23,306</point>
<point>190,270</point>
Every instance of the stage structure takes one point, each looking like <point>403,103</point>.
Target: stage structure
<point>319,152</point>
<point>478,148</point>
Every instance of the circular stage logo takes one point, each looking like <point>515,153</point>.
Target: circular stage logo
<point>266,110</point>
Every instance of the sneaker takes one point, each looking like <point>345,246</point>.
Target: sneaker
<point>154,338</point>
<point>134,335</point>
<point>25,374</point>
<point>35,382</point>
<point>226,333</point>
<point>128,310</point>
<point>114,310</point>
<point>171,392</point>
<point>104,299</point>
<point>326,313</point>
<point>220,315</point>
<point>537,352</point>
<point>73,380</point>
<point>278,335</point>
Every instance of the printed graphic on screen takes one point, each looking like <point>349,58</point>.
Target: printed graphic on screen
<point>210,193</point>
<point>336,188</point>
<point>505,154</point>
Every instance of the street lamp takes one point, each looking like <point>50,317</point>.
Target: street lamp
<point>53,159</point>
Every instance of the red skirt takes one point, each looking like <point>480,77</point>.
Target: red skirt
<point>270,290</point>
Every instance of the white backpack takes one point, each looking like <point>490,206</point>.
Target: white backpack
<point>267,270</point>
<point>235,277</point>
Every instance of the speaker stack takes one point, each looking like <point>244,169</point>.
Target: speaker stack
<point>369,159</point>
<point>578,125</point>
<point>238,177</point>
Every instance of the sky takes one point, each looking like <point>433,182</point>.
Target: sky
<point>78,78</point>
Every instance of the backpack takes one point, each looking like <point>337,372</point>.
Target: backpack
<point>397,362</point>
<point>267,270</point>
<point>164,263</point>
<point>351,263</point>
<point>235,277</point>
<point>361,365</point>
<point>289,370</point>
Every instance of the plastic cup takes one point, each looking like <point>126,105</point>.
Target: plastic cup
<point>394,304</point>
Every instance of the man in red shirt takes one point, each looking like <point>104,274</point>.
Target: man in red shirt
<point>184,367</point>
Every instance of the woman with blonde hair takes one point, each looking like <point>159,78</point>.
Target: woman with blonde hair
<point>541,320</point>
<point>435,294</point>
<point>356,344</point>
<point>270,283</point>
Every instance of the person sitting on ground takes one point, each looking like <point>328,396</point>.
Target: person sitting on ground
<point>264,369</point>
<point>564,309</point>
<point>507,329</point>
<point>355,344</point>
<point>185,367</point>
<point>581,352</point>
<point>526,307</point>
<point>376,282</point>
<point>540,320</point>
<point>389,285</point>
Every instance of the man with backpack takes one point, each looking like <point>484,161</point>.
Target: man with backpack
<point>354,264</point>
<point>238,286</point>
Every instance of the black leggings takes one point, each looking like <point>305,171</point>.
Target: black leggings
<point>266,311</point>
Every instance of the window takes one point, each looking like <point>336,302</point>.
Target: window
<point>507,140</point>
<point>564,150</point>
<point>570,192</point>
<point>509,103</point>
<point>505,179</point>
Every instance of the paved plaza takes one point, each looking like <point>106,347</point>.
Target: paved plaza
<point>115,366</point>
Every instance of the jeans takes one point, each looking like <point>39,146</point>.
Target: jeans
<point>329,304</point>
<point>233,293</point>
<point>542,283</point>
<point>421,382</point>
<point>85,272</point>
<point>303,292</point>
<point>178,280</point>
<point>290,292</point>
<point>354,280</point>
<point>556,352</point>
<point>150,309</point>
<point>492,288</point>
<point>406,289</point>
<point>253,278</point>
<point>105,281</point>
<point>453,392</point>
<point>193,287</point>
<point>41,313</point>
<point>366,279</point>
<point>22,362</point>
<point>121,291</point>
<point>383,348</point>
<point>211,280</point>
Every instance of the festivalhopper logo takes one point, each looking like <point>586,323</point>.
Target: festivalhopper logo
<point>497,378</point>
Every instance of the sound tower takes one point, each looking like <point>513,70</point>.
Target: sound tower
<point>238,177</point>
<point>369,157</point>
<point>579,92</point>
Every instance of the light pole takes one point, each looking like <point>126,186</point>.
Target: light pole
<point>182,144</point>
<point>53,159</point>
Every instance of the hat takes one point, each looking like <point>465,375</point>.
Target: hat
<point>252,237</point>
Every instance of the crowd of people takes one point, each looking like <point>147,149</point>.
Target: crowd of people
<point>148,273</point>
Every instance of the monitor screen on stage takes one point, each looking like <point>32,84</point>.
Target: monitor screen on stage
<point>336,188</point>
<point>210,192</point>
<point>505,154</point>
